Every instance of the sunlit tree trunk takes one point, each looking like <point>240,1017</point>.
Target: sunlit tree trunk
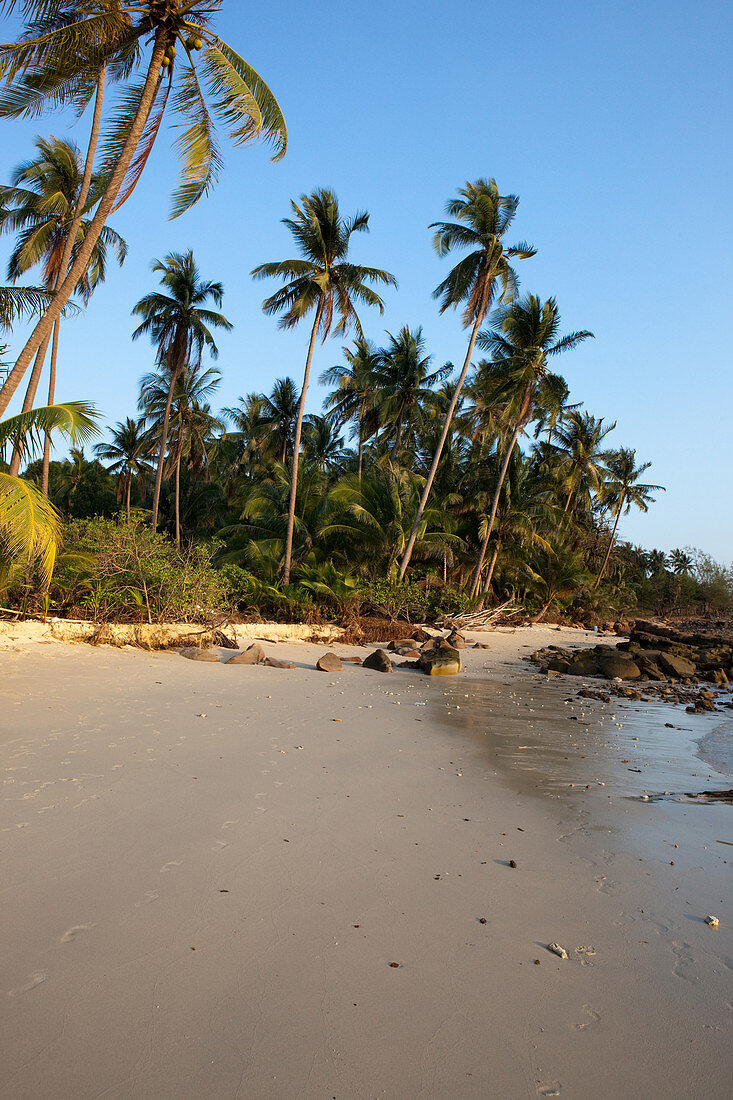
<point>51,397</point>
<point>296,448</point>
<point>42,330</point>
<point>439,449</point>
<point>494,506</point>
<point>610,545</point>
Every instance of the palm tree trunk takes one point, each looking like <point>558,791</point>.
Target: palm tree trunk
<point>439,450</point>
<point>360,461</point>
<point>610,545</point>
<point>51,397</point>
<point>494,556</point>
<point>544,610</point>
<point>43,329</point>
<point>494,506</point>
<point>30,394</point>
<point>161,451</point>
<point>567,502</point>
<point>88,169</point>
<point>296,448</point>
<point>127,494</point>
<point>397,438</point>
<point>178,498</point>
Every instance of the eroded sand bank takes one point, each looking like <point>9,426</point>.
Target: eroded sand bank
<point>207,872</point>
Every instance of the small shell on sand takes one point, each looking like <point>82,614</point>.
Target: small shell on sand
<point>557,950</point>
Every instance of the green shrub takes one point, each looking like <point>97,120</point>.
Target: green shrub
<point>115,569</point>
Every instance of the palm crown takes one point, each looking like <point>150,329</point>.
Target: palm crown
<point>323,279</point>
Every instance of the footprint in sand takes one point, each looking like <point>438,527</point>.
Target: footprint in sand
<point>150,895</point>
<point>33,981</point>
<point>170,865</point>
<point>593,1018</point>
<point>70,936</point>
<point>685,961</point>
<point>606,885</point>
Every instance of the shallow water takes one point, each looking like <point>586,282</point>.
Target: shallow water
<point>550,742</point>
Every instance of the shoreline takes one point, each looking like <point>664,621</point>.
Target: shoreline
<point>209,871</point>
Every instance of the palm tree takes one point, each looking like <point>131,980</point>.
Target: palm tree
<point>353,397</point>
<point>323,447</point>
<point>525,513</point>
<point>127,455</point>
<point>402,384</point>
<point>179,326</point>
<point>190,419</point>
<point>29,524</point>
<point>681,563</point>
<point>61,58</point>
<point>41,205</point>
<point>372,517</point>
<point>324,282</point>
<point>622,491</point>
<point>579,440</point>
<point>524,335</point>
<point>482,218</point>
<point>278,417</point>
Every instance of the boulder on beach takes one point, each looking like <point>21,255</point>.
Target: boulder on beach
<point>618,666</point>
<point>378,660</point>
<point>456,640</point>
<point>275,662</point>
<point>200,653</point>
<point>443,661</point>
<point>351,660</point>
<point>329,662</point>
<point>253,655</point>
<point>401,643</point>
<point>676,666</point>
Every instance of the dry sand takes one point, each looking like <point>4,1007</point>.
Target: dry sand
<point>208,873</point>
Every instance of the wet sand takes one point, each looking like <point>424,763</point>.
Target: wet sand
<point>208,872</point>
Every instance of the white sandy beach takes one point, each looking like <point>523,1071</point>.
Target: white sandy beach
<point>209,870</point>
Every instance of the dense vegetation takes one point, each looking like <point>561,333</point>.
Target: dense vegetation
<point>418,490</point>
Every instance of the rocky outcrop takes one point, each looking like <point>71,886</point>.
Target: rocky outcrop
<point>661,661</point>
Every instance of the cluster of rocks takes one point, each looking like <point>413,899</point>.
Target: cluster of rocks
<point>670,663</point>
<point>436,656</point>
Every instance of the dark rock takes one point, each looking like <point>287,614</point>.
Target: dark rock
<point>412,654</point>
<point>329,662</point>
<point>275,662</point>
<point>676,666</point>
<point>350,660</point>
<point>613,666</point>
<point>556,664</point>
<point>196,653</point>
<point>378,660</point>
<point>400,643</point>
<point>253,655</point>
<point>481,645</point>
<point>443,661</point>
<point>456,639</point>
<point>419,635</point>
<point>410,664</point>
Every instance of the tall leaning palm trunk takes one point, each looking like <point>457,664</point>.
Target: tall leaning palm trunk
<point>483,217</point>
<point>611,542</point>
<point>524,335</point>
<point>296,446</point>
<point>66,256</point>
<point>476,578</point>
<point>44,327</point>
<point>323,281</point>
<point>58,60</point>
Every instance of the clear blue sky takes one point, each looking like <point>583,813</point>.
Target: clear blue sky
<point>612,124</point>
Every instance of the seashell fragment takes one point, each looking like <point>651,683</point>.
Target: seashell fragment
<point>557,950</point>
<point>712,921</point>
